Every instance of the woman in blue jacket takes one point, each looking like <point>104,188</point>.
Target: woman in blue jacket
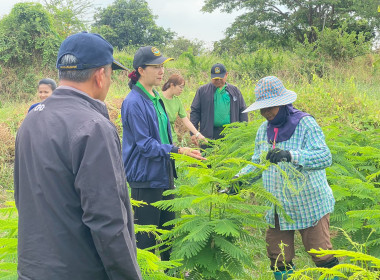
<point>147,143</point>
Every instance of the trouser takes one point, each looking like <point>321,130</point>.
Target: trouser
<point>150,215</point>
<point>314,237</point>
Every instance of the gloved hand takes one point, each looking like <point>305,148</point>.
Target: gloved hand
<point>232,190</point>
<point>277,155</point>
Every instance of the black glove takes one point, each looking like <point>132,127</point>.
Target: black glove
<point>233,189</point>
<point>277,155</point>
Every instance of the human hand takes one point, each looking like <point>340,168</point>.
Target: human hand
<point>201,138</point>
<point>277,155</point>
<point>191,153</point>
<point>233,189</point>
<point>194,140</point>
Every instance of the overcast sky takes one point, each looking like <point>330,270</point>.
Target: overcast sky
<point>181,16</point>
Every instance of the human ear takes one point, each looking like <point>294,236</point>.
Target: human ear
<point>99,77</point>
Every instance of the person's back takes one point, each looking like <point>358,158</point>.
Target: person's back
<point>75,217</point>
<point>54,242</point>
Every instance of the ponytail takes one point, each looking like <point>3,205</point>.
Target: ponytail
<point>166,86</point>
<point>134,76</point>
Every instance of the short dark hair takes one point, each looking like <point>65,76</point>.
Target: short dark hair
<point>49,82</point>
<point>75,75</point>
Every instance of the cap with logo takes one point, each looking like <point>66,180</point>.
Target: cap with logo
<point>149,56</point>
<point>91,51</point>
<point>218,71</point>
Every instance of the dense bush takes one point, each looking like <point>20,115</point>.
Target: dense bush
<point>27,36</point>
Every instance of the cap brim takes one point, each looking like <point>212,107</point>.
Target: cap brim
<point>288,98</point>
<point>160,60</point>
<point>118,66</point>
<point>218,76</point>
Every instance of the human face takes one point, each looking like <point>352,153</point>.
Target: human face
<point>219,83</point>
<point>269,113</point>
<point>44,91</point>
<point>152,75</point>
<point>178,89</point>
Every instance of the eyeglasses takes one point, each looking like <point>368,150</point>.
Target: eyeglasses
<point>181,86</point>
<point>161,66</point>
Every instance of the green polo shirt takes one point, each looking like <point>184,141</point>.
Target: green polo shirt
<point>161,115</point>
<point>222,111</point>
<point>174,108</point>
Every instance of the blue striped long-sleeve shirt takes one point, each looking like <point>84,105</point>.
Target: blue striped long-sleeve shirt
<point>305,195</point>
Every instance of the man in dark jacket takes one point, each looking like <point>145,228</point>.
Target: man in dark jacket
<point>75,217</point>
<point>216,104</point>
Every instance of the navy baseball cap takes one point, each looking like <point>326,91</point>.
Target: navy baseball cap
<point>91,50</point>
<point>218,71</point>
<point>149,56</point>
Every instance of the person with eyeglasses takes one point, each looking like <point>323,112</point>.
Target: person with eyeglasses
<point>147,144</point>
<point>171,90</point>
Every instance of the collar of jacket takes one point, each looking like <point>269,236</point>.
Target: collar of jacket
<point>139,90</point>
<point>97,105</point>
<point>143,94</point>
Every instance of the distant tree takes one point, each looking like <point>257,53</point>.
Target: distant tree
<point>27,35</point>
<point>70,16</point>
<point>130,22</point>
<point>180,45</point>
<point>282,21</point>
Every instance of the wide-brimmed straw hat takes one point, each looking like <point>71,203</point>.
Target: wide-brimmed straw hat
<point>271,92</point>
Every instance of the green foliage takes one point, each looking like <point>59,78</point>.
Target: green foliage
<point>180,45</point>
<point>210,233</point>
<point>69,16</point>
<point>258,64</point>
<point>361,265</point>
<point>26,35</point>
<point>354,178</point>
<point>337,44</point>
<point>130,22</point>
<point>8,241</point>
<point>278,23</point>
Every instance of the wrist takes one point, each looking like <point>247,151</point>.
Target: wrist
<point>197,134</point>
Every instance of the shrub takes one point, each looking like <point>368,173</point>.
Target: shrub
<point>27,35</point>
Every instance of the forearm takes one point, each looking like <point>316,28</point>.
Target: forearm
<point>189,125</point>
<point>311,160</point>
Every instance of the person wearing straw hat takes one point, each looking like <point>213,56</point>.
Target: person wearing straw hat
<point>147,144</point>
<point>293,141</point>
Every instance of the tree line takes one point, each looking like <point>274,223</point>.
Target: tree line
<point>33,30</point>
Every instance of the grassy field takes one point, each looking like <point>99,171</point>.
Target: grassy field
<point>347,95</point>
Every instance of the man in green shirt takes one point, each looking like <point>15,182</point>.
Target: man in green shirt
<point>216,104</point>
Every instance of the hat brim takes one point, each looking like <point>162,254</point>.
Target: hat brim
<point>218,76</point>
<point>287,98</point>
<point>159,60</point>
<point>118,66</point>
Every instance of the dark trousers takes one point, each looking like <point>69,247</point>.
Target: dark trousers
<point>150,215</point>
